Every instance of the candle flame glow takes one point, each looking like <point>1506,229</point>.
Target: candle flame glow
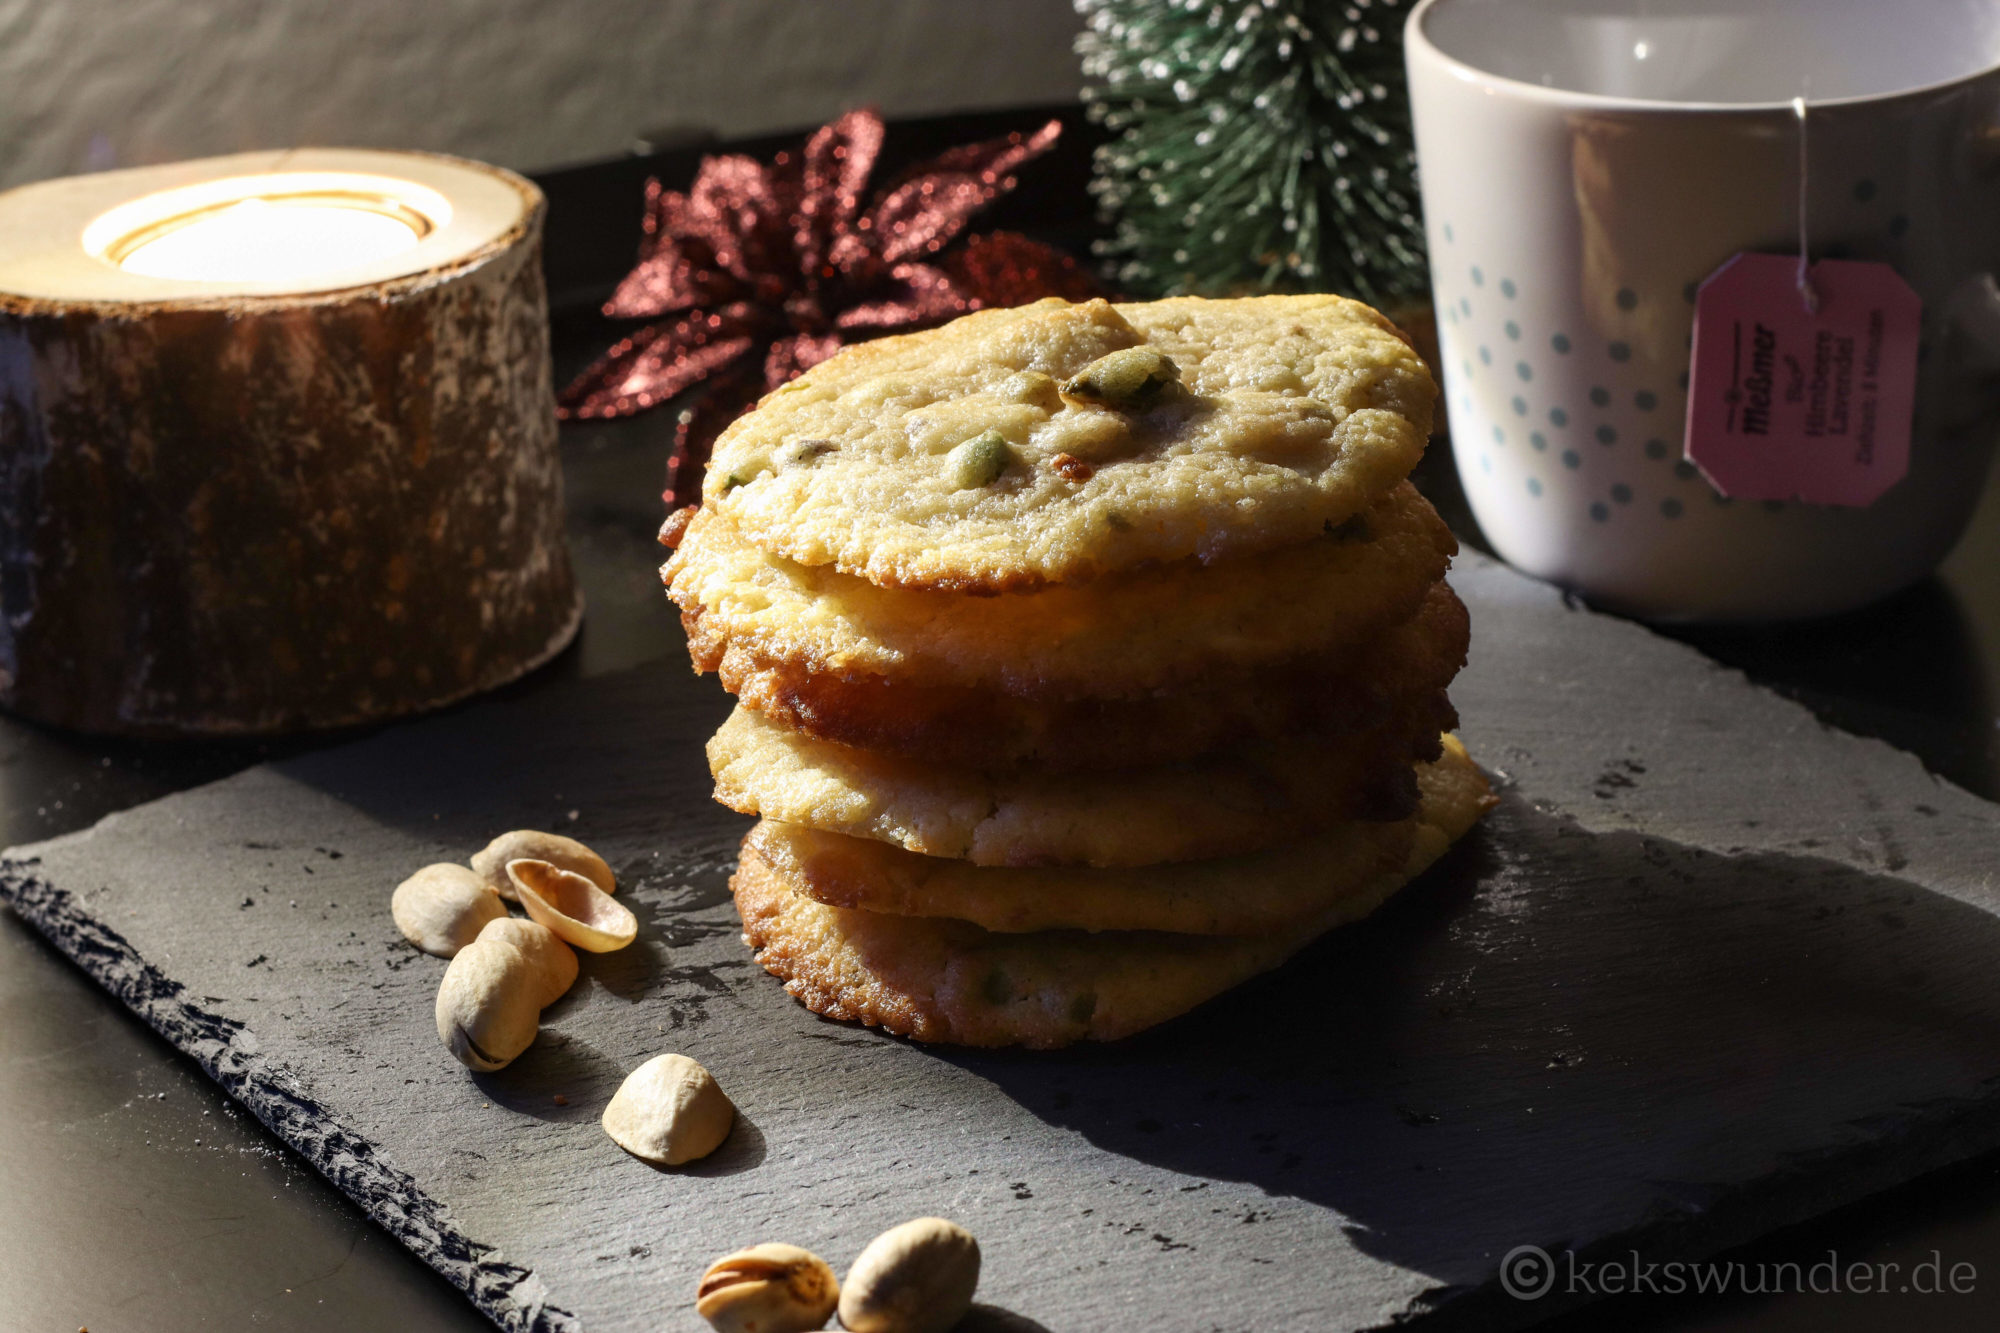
<point>262,240</point>
<point>269,229</point>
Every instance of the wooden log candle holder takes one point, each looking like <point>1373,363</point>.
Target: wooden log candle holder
<point>277,443</point>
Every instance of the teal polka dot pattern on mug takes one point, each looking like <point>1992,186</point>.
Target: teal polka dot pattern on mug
<point>1625,402</point>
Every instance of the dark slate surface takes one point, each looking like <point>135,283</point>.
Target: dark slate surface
<point>1711,967</point>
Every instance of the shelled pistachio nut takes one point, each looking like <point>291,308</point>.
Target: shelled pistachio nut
<point>572,906</point>
<point>978,461</point>
<point>442,908</point>
<point>668,1111</point>
<point>767,1289</point>
<point>915,1278</point>
<point>491,863</point>
<point>1130,380</point>
<point>554,962</point>
<point>486,1010</point>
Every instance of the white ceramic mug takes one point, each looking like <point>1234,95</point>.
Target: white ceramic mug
<point>1586,164</point>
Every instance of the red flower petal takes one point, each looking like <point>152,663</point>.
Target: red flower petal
<point>791,357</point>
<point>918,295</point>
<point>667,281</point>
<point>932,202</point>
<point>837,163</point>
<point>743,214</point>
<point>656,363</point>
<point>1005,268</point>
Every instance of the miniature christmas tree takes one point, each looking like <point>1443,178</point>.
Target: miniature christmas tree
<point>1261,145</point>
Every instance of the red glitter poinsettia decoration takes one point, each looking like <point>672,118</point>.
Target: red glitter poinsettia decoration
<point>758,273</point>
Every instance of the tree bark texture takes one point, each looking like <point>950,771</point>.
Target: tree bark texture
<point>260,515</point>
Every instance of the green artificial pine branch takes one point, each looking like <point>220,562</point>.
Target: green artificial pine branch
<point>1260,145</point>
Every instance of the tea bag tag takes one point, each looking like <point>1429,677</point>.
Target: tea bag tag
<point>1790,399</point>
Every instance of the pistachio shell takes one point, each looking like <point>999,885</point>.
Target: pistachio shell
<point>915,1278</point>
<point>572,906</point>
<point>767,1289</point>
<point>486,1010</point>
<point>669,1111</point>
<point>554,962</point>
<point>442,908</point>
<point>491,863</point>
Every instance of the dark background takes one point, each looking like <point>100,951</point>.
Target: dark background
<point>137,1196</point>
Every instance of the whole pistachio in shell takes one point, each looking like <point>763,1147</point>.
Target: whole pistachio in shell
<point>915,1278</point>
<point>486,1010</point>
<point>442,908</point>
<point>767,1289</point>
<point>554,962</point>
<point>572,906</point>
<point>491,863</point>
<point>668,1111</point>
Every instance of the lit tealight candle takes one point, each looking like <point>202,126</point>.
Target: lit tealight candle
<point>277,230</point>
<point>260,240</point>
<point>279,443</point>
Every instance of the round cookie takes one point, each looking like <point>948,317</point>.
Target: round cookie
<point>1228,803</point>
<point>1117,637</point>
<point>1401,675</point>
<point>992,454</point>
<point>940,980</point>
<point>1253,894</point>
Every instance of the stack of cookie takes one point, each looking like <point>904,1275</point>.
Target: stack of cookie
<point>1090,659</point>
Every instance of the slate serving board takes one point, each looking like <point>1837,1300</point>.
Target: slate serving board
<point>1710,968</point>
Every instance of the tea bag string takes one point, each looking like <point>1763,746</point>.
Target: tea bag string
<point>1807,293</point>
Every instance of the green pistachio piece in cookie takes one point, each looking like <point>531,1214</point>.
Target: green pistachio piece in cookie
<point>1131,380</point>
<point>802,452</point>
<point>1032,388</point>
<point>978,461</point>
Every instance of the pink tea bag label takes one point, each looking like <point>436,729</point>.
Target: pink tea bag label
<point>1791,403</point>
